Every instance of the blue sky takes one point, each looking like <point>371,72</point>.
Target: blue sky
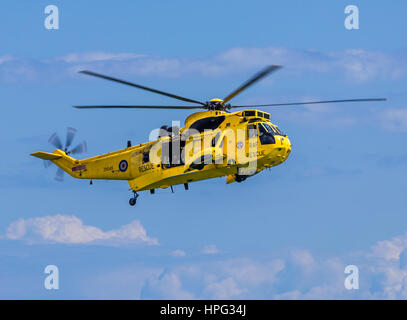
<point>286,233</point>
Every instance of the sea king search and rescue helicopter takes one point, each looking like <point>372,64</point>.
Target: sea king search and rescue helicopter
<point>174,161</point>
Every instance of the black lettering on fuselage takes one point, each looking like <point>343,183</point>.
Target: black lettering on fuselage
<point>145,167</point>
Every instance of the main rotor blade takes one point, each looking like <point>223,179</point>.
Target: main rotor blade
<point>309,102</point>
<point>140,107</point>
<point>90,73</point>
<point>55,141</point>
<point>251,81</point>
<point>70,134</point>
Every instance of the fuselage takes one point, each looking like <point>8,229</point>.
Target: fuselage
<point>212,144</point>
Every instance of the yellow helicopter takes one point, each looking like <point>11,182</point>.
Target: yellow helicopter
<point>213,143</point>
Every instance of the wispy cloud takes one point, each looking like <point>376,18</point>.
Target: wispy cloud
<point>96,57</point>
<point>167,284</point>
<point>5,58</point>
<point>297,274</point>
<point>224,289</point>
<point>71,230</point>
<point>356,65</point>
<point>210,249</point>
<point>389,249</point>
<point>225,279</point>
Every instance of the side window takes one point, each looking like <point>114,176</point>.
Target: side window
<point>146,157</point>
<point>251,131</point>
<point>171,151</point>
<point>215,139</point>
<point>210,123</point>
<point>165,153</point>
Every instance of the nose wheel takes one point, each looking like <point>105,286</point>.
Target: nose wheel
<point>133,200</point>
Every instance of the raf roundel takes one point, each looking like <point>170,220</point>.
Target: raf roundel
<point>123,165</point>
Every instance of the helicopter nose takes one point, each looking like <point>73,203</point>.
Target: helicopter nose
<point>285,147</point>
<point>287,143</point>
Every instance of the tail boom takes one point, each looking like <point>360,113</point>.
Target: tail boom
<point>101,167</point>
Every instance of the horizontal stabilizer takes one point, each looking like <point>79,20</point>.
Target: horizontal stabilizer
<point>46,155</point>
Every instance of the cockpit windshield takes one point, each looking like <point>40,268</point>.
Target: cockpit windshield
<point>272,129</point>
<point>266,136</point>
<point>269,128</point>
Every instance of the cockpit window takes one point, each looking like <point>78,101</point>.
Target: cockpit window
<point>269,128</point>
<point>272,129</point>
<point>265,136</point>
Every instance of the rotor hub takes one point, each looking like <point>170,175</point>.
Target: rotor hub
<point>217,104</point>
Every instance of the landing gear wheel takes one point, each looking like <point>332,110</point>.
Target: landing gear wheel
<point>133,200</point>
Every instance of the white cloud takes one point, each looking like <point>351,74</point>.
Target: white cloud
<point>293,274</point>
<point>224,289</point>
<point>210,249</point>
<point>297,274</point>
<point>122,283</point>
<point>6,58</point>
<point>365,65</point>
<point>97,56</point>
<point>165,286</point>
<point>389,249</point>
<point>225,279</point>
<point>251,273</point>
<point>303,258</point>
<point>71,230</point>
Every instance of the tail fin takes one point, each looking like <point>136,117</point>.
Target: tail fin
<point>61,159</point>
<point>46,155</point>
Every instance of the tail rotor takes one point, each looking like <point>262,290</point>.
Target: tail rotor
<point>56,142</point>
